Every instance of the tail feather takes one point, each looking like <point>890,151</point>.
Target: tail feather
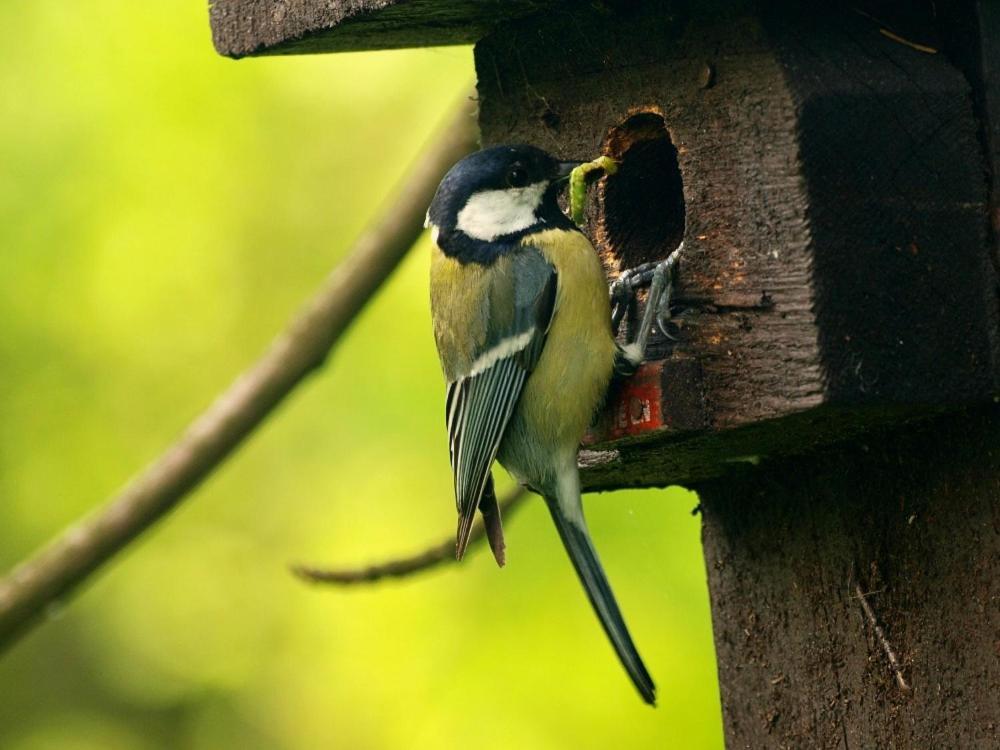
<point>576,539</point>
<point>465,520</point>
<point>491,520</point>
<point>493,524</point>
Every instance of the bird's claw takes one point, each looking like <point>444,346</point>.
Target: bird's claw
<point>663,313</point>
<point>622,294</point>
<point>659,277</point>
<point>623,290</point>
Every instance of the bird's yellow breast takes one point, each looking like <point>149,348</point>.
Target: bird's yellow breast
<point>575,367</point>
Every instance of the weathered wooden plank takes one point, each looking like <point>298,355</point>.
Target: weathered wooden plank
<point>266,27</point>
<point>837,272</point>
<point>893,168</point>
<point>974,34</point>
<point>988,16</point>
<point>910,517</point>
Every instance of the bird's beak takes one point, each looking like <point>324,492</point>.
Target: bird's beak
<point>564,168</point>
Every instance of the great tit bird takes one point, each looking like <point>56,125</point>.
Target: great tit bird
<point>522,322</point>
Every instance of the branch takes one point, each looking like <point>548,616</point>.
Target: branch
<point>82,548</point>
<point>406,566</point>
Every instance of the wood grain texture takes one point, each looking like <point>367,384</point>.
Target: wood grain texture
<point>974,34</point>
<point>911,516</point>
<point>988,98</point>
<point>837,271</point>
<point>269,27</point>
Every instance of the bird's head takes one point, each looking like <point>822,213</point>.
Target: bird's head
<point>492,198</point>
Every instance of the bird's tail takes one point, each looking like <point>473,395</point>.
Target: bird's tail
<point>490,510</point>
<point>567,512</point>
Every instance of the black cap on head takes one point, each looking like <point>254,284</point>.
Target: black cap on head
<point>493,198</point>
<point>496,168</point>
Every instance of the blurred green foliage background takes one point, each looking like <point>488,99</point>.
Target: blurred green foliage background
<point>162,213</point>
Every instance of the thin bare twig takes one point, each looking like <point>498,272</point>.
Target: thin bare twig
<point>81,549</point>
<point>897,668</point>
<point>402,567</point>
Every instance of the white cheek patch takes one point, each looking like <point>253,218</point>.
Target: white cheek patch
<point>492,213</point>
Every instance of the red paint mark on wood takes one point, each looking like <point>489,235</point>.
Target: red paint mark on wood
<point>634,407</point>
<point>662,395</point>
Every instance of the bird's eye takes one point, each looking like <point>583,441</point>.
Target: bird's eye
<point>517,176</point>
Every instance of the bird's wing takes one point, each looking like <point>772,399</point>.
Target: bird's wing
<point>520,301</point>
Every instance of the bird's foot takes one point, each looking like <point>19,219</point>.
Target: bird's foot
<point>659,277</point>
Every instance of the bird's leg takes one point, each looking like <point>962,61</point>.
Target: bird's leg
<point>659,276</point>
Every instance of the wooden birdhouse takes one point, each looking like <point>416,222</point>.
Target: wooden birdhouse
<point>829,378</point>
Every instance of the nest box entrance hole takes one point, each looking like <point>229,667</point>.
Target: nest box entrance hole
<point>641,206</point>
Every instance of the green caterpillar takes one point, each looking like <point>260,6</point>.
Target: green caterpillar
<point>578,183</point>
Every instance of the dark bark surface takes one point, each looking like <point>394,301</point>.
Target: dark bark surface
<point>914,519</point>
<point>977,34</point>
<point>266,27</point>
<point>837,273</point>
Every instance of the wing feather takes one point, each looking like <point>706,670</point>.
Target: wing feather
<point>480,404</point>
<point>490,398</point>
